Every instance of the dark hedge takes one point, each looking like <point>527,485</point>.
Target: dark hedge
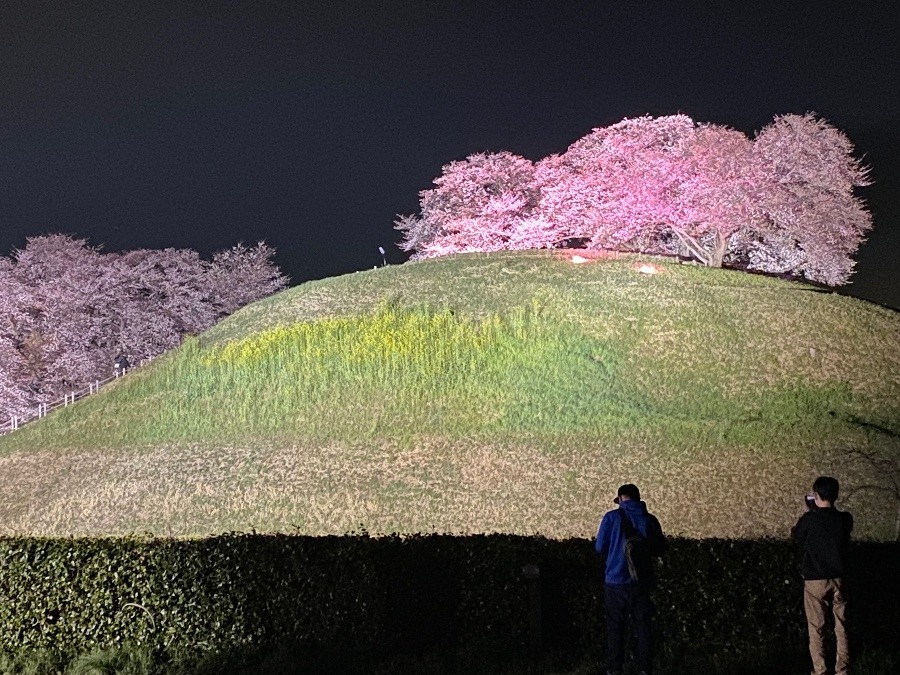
<point>413,595</point>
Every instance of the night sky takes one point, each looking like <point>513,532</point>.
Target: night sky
<point>310,125</point>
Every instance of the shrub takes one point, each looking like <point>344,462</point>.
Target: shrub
<point>412,596</point>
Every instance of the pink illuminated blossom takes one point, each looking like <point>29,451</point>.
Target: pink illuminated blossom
<point>69,310</point>
<point>816,220</point>
<point>782,202</point>
<point>482,203</point>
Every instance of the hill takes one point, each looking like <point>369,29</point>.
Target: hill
<point>507,392</point>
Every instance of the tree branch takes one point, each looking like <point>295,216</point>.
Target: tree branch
<point>693,246</point>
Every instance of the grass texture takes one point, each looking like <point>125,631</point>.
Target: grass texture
<point>507,392</point>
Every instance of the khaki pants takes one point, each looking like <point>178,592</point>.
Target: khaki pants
<point>821,598</point>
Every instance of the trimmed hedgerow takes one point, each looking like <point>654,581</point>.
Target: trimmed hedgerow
<point>409,595</point>
<point>76,594</point>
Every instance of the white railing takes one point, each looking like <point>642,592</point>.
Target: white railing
<point>43,409</point>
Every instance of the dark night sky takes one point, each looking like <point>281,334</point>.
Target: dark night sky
<point>312,124</point>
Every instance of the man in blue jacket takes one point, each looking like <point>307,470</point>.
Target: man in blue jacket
<point>623,594</point>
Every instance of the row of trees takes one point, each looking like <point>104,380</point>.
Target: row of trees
<point>67,310</point>
<point>781,202</point>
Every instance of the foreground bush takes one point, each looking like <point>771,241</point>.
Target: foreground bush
<point>239,598</point>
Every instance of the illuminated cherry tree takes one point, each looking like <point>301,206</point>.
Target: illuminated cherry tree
<point>70,310</point>
<point>48,294</point>
<point>613,187</point>
<point>16,393</point>
<point>781,202</point>
<point>715,189</point>
<point>483,203</point>
<point>15,397</point>
<point>816,221</point>
<point>252,266</point>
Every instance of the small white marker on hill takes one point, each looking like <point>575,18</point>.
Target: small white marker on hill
<point>577,259</point>
<point>647,269</point>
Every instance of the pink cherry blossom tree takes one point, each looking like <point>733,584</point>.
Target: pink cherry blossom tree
<point>150,299</point>
<point>56,284</point>
<point>70,310</point>
<point>612,186</point>
<point>714,187</point>
<point>15,373</point>
<point>253,266</point>
<point>483,203</point>
<point>783,202</point>
<point>816,221</point>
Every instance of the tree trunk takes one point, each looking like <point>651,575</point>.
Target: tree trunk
<point>720,248</point>
<point>693,246</point>
<point>710,257</point>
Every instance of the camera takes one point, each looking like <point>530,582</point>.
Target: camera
<point>811,501</point>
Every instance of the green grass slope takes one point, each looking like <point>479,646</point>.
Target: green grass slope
<point>507,392</point>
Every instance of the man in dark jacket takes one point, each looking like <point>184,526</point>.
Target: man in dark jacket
<point>624,595</point>
<point>824,534</point>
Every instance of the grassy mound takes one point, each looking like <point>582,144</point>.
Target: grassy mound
<point>507,392</point>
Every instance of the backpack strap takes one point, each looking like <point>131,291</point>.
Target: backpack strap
<point>627,526</point>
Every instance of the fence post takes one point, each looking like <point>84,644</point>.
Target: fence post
<point>44,408</point>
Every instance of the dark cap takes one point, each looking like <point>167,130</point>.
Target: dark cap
<point>629,490</point>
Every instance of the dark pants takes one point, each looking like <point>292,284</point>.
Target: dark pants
<point>622,601</point>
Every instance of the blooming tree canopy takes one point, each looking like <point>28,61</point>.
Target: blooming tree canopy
<point>816,221</point>
<point>68,310</point>
<point>483,203</point>
<point>618,185</point>
<point>783,201</point>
